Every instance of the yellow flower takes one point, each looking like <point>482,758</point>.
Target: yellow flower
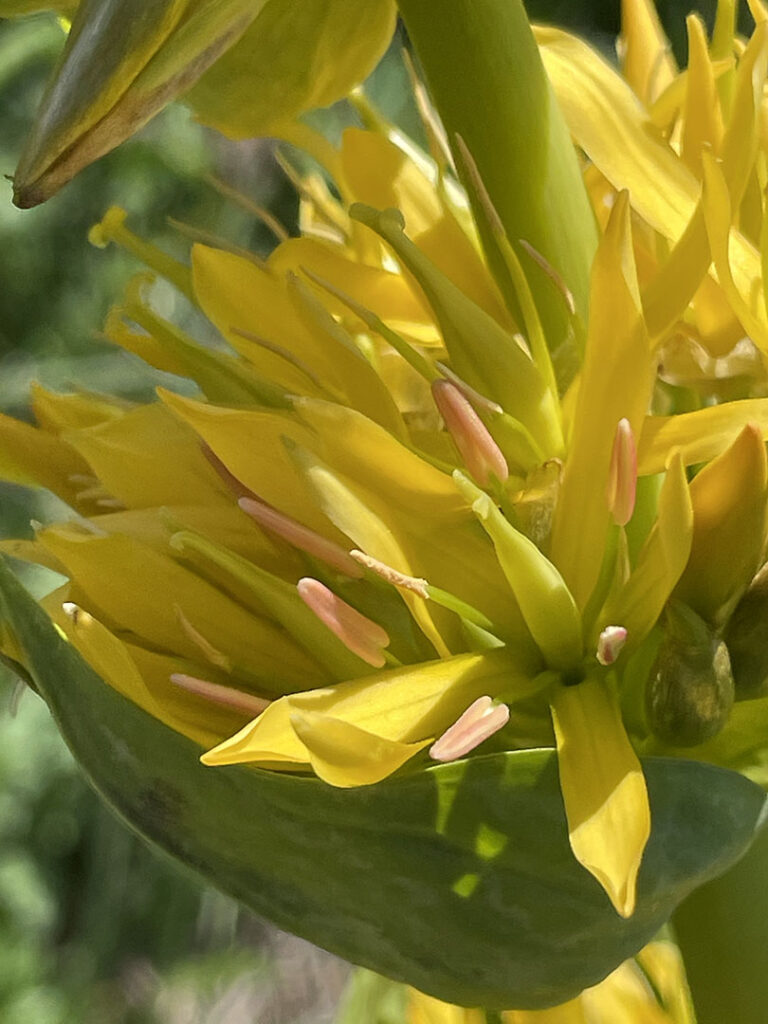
<point>399,517</point>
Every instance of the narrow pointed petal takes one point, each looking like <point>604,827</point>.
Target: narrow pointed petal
<point>616,383</point>
<point>345,755</point>
<point>661,561</point>
<point>406,705</point>
<point>699,436</point>
<point>730,499</point>
<point>647,60</point>
<point>606,800</point>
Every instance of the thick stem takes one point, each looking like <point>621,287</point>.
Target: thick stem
<point>493,1017</point>
<point>722,930</point>
<point>488,82</point>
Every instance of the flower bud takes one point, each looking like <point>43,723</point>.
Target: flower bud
<point>690,691</point>
<point>746,635</point>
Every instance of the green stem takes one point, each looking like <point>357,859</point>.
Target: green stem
<point>722,930</point>
<point>494,1017</point>
<point>488,82</point>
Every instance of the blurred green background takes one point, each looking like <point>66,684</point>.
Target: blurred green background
<point>94,927</point>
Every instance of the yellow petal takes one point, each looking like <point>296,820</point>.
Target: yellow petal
<point>571,1012</point>
<point>661,560</point>
<point>404,705</point>
<point>424,1009</point>
<point>112,571</point>
<point>716,205</point>
<point>615,383</point>
<point>223,524</point>
<point>144,678</point>
<point>730,497</point>
<point>235,294</point>
<point>370,455</point>
<point>345,755</point>
<point>647,60</point>
<point>612,127</point>
<point>385,293</point>
<point>700,436</point>
<point>702,119</point>
<point>381,174</point>
<point>292,59</point>
<point>606,801</point>
<point>264,467</point>
<point>148,457</point>
<point>368,522</point>
<point>37,459</point>
<point>56,412</point>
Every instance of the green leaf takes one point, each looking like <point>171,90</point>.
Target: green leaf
<point>295,57</point>
<point>457,879</point>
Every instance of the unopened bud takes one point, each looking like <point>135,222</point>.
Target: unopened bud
<point>690,692</point>
<point>747,638</point>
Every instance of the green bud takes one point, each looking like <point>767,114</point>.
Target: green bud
<point>747,637</point>
<point>690,691</point>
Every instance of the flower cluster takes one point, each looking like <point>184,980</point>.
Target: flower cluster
<point>395,519</point>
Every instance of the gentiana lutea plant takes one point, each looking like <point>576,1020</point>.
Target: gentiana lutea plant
<point>426,615</point>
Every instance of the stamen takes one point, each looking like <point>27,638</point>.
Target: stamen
<point>112,229</point>
<point>250,206</point>
<point>389,575</point>
<point>209,238</point>
<point>622,477</point>
<point>425,589</point>
<point>610,643</point>
<point>482,456</point>
<point>301,537</point>
<point>210,653</point>
<point>359,634</point>
<point>481,720</point>
<point>217,694</point>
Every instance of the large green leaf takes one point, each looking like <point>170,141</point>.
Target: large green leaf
<point>457,879</point>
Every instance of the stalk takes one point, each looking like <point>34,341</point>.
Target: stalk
<point>488,81</point>
<point>722,930</point>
